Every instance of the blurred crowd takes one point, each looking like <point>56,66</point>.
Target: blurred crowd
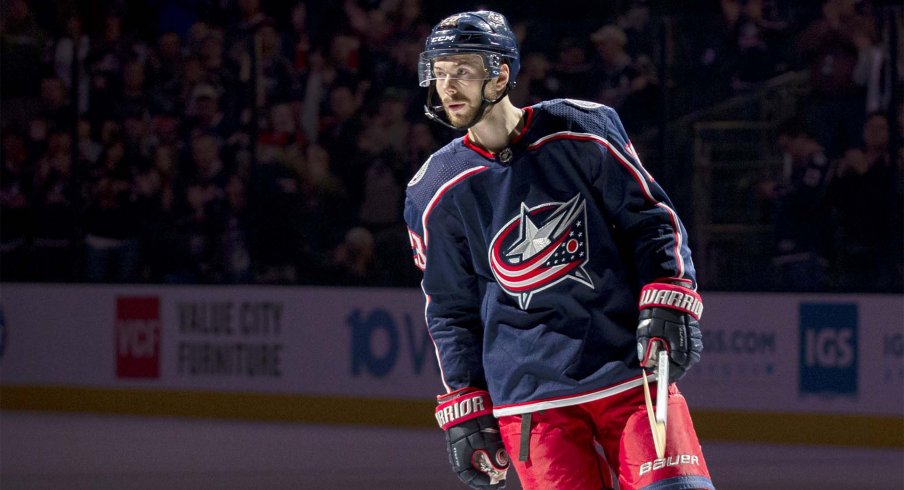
<point>251,141</point>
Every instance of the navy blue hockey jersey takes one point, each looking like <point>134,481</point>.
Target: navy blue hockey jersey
<point>533,258</point>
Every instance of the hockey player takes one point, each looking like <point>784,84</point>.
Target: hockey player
<point>551,260</point>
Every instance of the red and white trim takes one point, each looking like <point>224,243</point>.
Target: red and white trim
<point>567,401</point>
<point>430,205</point>
<point>639,174</point>
<point>442,190</point>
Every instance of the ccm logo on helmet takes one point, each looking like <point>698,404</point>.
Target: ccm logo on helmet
<point>439,39</point>
<point>658,464</point>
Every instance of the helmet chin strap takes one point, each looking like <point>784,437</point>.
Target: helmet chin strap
<point>430,109</point>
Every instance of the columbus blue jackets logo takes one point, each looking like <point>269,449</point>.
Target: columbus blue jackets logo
<point>541,247</point>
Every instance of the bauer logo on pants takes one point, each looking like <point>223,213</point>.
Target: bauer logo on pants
<point>828,348</point>
<point>137,336</point>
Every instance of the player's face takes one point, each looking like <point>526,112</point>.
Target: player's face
<point>459,81</point>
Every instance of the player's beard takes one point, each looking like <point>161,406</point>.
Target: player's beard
<point>463,117</point>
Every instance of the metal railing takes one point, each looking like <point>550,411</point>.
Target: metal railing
<point>733,151</point>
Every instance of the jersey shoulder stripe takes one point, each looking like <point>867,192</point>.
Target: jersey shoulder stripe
<point>589,121</point>
<point>443,170</point>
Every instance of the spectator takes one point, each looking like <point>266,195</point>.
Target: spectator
<point>156,199</point>
<point>141,142</point>
<point>636,24</point>
<point>57,203</point>
<point>165,72</point>
<point>754,63</point>
<point>211,54</point>
<point>166,61</point>
<point>339,132</point>
<point>201,218</point>
<point>237,266</point>
<point>251,16</point>
<point>401,66</point>
<point>277,226</point>
<point>133,96</point>
<point>353,259</point>
<point>166,131</point>
<point>111,221</point>
<point>572,70</point>
<point>831,45</point>
<point>613,66</point>
<point>298,43</point>
<point>421,143</point>
<point>89,150</point>
<point>625,84</point>
<point>388,128</point>
<point>326,203</point>
<point>54,107</point>
<point>106,60</point>
<point>865,200</point>
<point>16,207</point>
<point>534,82</point>
<point>283,129</point>
<point>643,108</point>
<point>63,59</point>
<point>278,83</point>
<point>708,51</point>
<point>22,48</point>
<point>206,116</point>
<point>345,51</point>
<point>381,147</point>
<point>800,218</point>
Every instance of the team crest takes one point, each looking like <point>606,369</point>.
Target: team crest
<point>420,173</point>
<point>496,20</point>
<point>540,248</point>
<point>451,21</point>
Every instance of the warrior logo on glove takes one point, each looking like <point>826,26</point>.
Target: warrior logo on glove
<point>669,313</point>
<point>472,436</point>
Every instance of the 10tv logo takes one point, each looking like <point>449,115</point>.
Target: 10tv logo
<point>137,336</point>
<point>828,348</point>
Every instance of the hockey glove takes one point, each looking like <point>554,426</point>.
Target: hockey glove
<point>669,314</point>
<point>472,438</point>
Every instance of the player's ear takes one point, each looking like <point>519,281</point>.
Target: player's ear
<point>503,78</point>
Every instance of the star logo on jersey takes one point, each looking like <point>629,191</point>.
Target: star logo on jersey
<point>540,248</point>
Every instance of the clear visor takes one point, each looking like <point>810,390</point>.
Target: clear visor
<point>468,66</point>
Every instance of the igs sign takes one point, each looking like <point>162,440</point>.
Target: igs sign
<point>137,336</point>
<point>828,348</point>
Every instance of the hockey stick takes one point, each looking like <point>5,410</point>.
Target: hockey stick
<point>662,390</point>
<point>659,416</point>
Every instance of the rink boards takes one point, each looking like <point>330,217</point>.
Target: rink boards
<point>813,369</point>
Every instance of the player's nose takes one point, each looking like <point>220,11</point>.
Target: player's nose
<point>445,86</point>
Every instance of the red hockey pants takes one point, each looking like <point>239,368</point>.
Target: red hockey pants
<point>587,446</point>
